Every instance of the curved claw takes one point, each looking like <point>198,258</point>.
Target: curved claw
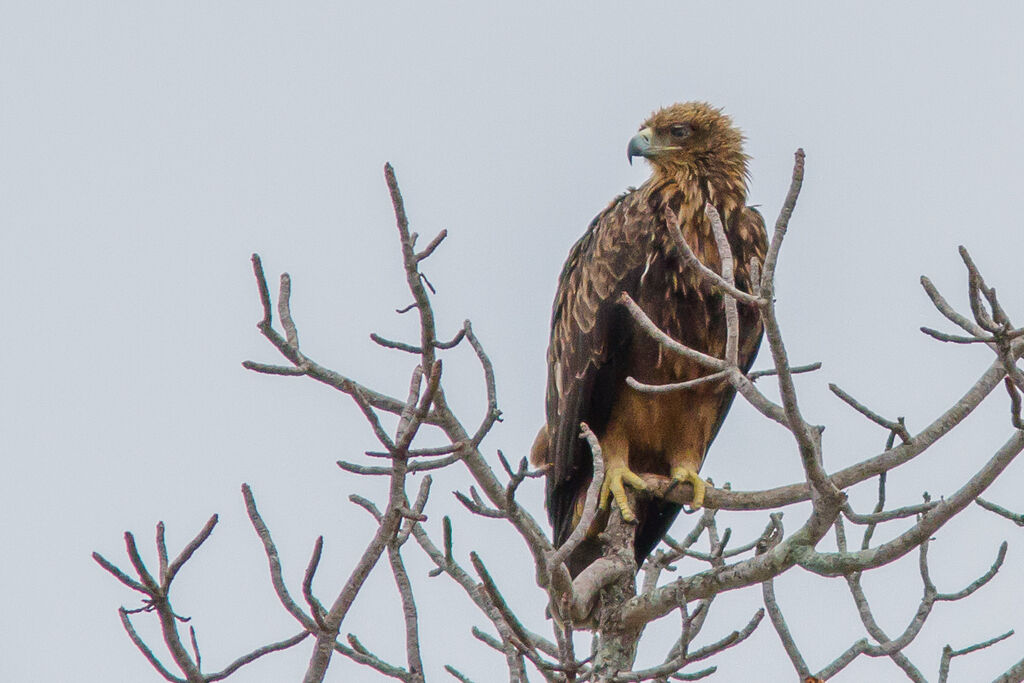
<point>614,485</point>
<point>685,475</point>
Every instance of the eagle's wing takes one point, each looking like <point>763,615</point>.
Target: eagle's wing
<point>590,337</point>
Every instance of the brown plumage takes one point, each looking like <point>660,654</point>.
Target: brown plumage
<point>697,157</point>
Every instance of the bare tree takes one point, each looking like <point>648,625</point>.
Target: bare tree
<point>606,598</point>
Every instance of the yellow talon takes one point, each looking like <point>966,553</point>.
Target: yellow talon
<point>685,474</point>
<point>614,483</point>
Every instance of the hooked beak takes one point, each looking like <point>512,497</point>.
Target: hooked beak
<point>639,145</point>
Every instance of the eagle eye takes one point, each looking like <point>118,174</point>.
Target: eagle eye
<point>680,130</point>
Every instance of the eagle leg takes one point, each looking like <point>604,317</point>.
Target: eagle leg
<point>617,475</point>
<point>683,475</point>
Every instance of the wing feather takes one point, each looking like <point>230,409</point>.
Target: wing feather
<point>590,334</point>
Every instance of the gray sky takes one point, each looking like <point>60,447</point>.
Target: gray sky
<point>148,148</point>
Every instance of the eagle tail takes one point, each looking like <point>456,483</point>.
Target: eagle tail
<point>655,517</point>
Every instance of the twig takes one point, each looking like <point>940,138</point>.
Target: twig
<point>419,466</point>
<point>677,386</point>
<point>499,601</point>
<point>457,674</point>
<point>887,515</point>
<point>409,613</point>
<point>898,427</point>
<point>589,507</point>
<point>1015,403</point>
<point>434,244</point>
<point>477,507</point>
<point>256,654</point>
<point>782,223</point>
<point>979,582</point>
<point>948,653</point>
<point>782,628</point>
<point>274,561</point>
<point>648,326</point>
<point>359,653</point>
<point>673,221</point>
<point>493,414</point>
<point>770,372</point>
<point>315,607</point>
<point>1014,517</point>
<point>186,552</point>
<point>956,338</point>
<point>731,311</point>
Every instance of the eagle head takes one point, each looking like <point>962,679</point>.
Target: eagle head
<point>691,139</point>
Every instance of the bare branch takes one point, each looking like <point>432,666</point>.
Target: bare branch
<point>898,426</point>
<point>589,507</point>
<point>315,607</point>
<point>358,653</point>
<point>476,506</point>
<point>1015,674</point>
<point>371,417</point>
<point>274,561</point>
<point>673,221</point>
<point>493,414</point>
<point>796,370</point>
<point>948,653</point>
<point>386,471</point>
<point>728,641</point>
<point>412,639</point>
<point>498,601</point>
<point>392,344</point>
<point>144,649</point>
<point>1015,402</point>
<point>648,326</point>
<point>732,318</point>
<point>267,369</point>
<point>434,244</point>
<point>854,474</point>
<point>781,224</point>
<point>120,575</point>
<point>140,566</point>
<point>677,386</point>
<point>980,581</point>
<point>956,338</point>
<point>457,674</point>
<point>186,553</point>
<point>256,654</point>
<point>284,311</point>
<point>161,551</point>
<point>1017,519</point>
<point>945,309</point>
<point>834,564</point>
<point>887,515</point>
<point>696,675</point>
<point>672,666</point>
<point>782,628</point>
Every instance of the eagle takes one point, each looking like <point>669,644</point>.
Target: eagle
<point>696,157</point>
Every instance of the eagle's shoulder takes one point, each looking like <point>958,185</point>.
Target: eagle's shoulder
<point>751,230</point>
<point>603,254</point>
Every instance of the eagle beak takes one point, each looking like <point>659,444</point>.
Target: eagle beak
<point>639,145</point>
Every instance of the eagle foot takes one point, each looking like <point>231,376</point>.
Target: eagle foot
<point>685,475</point>
<point>614,485</point>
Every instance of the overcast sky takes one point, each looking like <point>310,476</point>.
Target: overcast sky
<point>147,149</point>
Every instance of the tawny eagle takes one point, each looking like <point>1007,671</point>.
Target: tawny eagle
<point>696,156</point>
